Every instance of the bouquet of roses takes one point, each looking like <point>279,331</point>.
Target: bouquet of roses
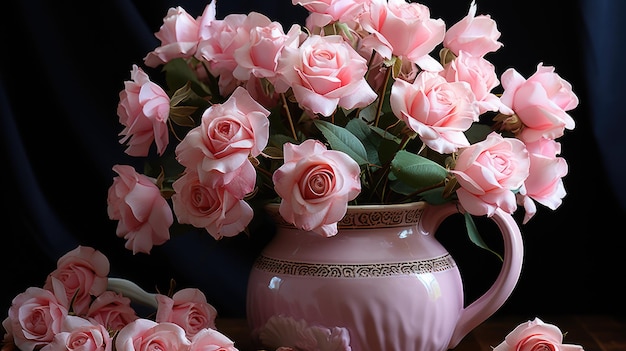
<point>371,102</point>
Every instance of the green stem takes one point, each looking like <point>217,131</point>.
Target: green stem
<point>291,126</point>
<point>381,98</point>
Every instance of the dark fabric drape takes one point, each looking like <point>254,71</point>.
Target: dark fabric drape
<point>605,35</point>
<point>63,64</point>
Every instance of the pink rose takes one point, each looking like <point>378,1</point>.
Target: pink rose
<point>143,214</point>
<point>179,36</point>
<point>482,78</point>
<point>315,185</point>
<point>206,20</point>
<point>212,208</point>
<point>83,274</point>
<point>535,335</point>
<point>34,317</point>
<point>476,35</point>
<point>323,12</point>
<point>488,173</point>
<point>259,55</point>
<point>437,110</point>
<point>143,109</point>
<point>228,134</point>
<point>540,102</point>
<point>80,334</point>
<point>219,40</point>
<point>211,339</point>
<point>404,29</point>
<point>187,308</point>
<point>112,310</point>
<point>325,72</point>
<point>544,183</point>
<point>144,334</point>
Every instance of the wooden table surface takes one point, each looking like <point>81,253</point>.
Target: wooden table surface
<point>592,332</point>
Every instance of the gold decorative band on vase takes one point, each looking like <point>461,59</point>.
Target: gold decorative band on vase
<point>369,270</point>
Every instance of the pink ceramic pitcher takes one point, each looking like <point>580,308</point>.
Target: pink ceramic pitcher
<point>383,283</point>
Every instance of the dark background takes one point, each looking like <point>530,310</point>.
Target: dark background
<point>64,63</point>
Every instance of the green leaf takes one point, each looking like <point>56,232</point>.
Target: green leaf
<point>278,140</point>
<point>399,187</point>
<point>417,171</point>
<point>181,115</point>
<point>341,139</point>
<point>371,141</point>
<point>386,134</point>
<point>387,150</point>
<point>181,94</point>
<point>345,30</point>
<point>368,113</point>
<point>388,145</point>
<point>474,236</point>
<point>435,196</point>
<point>178,73</point>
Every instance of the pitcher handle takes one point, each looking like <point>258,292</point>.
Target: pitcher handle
<point>132,291</point>
<point>488,303</point>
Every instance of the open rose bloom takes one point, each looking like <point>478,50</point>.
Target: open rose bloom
<point>316,184</point>
<point>536,335</point>
<point>367,102</point>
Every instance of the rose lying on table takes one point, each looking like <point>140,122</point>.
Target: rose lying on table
<point>75,310</point>
<point>536,335</point>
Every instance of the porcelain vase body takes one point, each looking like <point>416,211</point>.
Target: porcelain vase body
<point>382,283</point>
